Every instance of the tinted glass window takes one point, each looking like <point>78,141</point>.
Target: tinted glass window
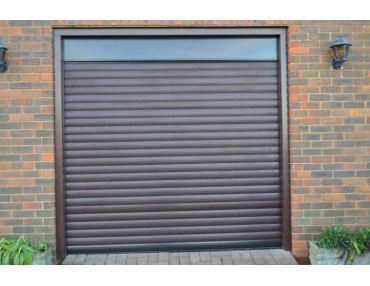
<point>162,49</point>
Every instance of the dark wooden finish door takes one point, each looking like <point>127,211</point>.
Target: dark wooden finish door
<point>171,156</point>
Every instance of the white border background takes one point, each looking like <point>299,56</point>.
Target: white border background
<point>183,10</point>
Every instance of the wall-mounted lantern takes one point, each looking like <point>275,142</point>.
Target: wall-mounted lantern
<point>3,63</point>
<point>340,49</point>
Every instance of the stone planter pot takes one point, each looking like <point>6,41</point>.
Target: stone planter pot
<point>320,256</point>
<point>363,259</point>
<point>44,258</point>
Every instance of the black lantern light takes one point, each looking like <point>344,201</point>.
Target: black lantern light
<point>340,49</point>
<point>3,63</point>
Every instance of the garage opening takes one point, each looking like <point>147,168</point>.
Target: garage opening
<point>171,143</point>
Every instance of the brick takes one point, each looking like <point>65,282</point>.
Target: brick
<point>344,174</point>
<point>322,205</point>
<point>44,165</point>
<point>322,174</point>
<point>23,229</point>
<point>20,23</point>
<point>20,85</point>
<point>335,151</point>
<point>332,182</point>
<point>363,173</point>
<point>355,197</point>
<point>364,204</point>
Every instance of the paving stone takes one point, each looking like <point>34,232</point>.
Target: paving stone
<point>163,257</point>
<point>205,256</point>
<point>246,255</point>
<point>80,259</point>
<point>226,260</point>
<point>138,255</point>
<point>121,259</point>
<point>269,259</point>
<point>278,257</point>
<point>142,261</point>
<point>153,257</point>
<point>178,254</point>
<point>174,260</point>
<point>131,261</point>
<point>111,259</point>
<point>287,257</point>
<point>219,253</point>
<point>216,260</point>
<point>194,257</point>
<point>257,257</point>
<point>184,260</point>
<point>96,259</point>
<point>69,260</point>
<point>235,255</point>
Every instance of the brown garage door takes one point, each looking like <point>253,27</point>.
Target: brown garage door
<point>171,156</point>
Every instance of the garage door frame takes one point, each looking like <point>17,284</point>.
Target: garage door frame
<point>60,34</point>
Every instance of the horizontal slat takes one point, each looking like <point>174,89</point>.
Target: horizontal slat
<point>159,81</point>
<point>185,230</point>
<point>111,209</point>
<point>186,97</point>
<point>171,121</point>
<point>171,168</point>
<point>175,238</point>
<point>166,73</point>
<point>216,88</point>
<point>263,135</point>
<point>173,176</point>
<point>158,66</point>
<point>214,190</point>
<point>174,183</point>
<point>171,113</point>
<point>171,128</point>
<point>173,222</point>
<point>74,146</point>
<point>195,214</point>
<point>171,152</point>
<point>172,160</point>
<point>174,199</point>
<point>169,105</point>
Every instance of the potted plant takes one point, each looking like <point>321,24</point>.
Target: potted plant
<point>24,252</point>
<point>337,245</point>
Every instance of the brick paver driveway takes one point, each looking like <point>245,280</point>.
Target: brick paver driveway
<point>247,257</point>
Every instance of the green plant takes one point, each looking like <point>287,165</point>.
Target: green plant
<point>19,252</point>
<point>336,236</point>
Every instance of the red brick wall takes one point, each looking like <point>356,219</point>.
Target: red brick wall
<point>328,118</point>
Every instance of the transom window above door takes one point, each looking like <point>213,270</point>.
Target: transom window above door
<point>171,49</point>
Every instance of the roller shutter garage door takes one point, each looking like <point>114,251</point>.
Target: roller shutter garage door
<point>171,156</point>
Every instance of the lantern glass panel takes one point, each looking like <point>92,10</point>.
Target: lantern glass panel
<point>345,49</point>
<point>336,53</point>
<point>340,52</point>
